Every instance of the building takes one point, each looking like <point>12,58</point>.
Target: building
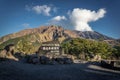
<point>51,47</point>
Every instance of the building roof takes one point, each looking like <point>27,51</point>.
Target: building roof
<point>52,42</point>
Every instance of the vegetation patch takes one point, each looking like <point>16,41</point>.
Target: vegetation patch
<point>87,49</point>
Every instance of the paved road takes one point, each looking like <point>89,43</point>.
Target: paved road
<point>11,70</point>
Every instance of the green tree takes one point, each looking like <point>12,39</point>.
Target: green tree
<point>88,48</point>
<point>24,47</point>
<point>116,51</point>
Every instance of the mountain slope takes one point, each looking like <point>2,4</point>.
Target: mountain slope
<point>49,33</point>
<point>94,35</point>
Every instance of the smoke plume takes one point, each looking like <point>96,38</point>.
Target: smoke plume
<point>81,17</point>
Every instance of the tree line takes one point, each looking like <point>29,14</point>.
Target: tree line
<point>89,48</point>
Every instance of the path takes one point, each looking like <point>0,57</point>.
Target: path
<point>11,70</point>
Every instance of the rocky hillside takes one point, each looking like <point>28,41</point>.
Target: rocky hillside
<point>34,37</point>
<point>48,33</point>
<point>29,41</point>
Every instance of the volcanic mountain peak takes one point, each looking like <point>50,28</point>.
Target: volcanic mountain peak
<point>48,33</point>
<point>93,35</point>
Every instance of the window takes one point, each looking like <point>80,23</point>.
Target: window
<point>57,47</point>
<point>43,48</point>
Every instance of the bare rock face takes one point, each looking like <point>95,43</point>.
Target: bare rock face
<point>49,33</point>
<point>3,54</point>
<point>7,52</point>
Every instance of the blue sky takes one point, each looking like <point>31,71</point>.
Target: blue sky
<point>16,15</point>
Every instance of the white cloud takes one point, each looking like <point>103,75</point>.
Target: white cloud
<point>26,25</point>
<point>44,9</point>
<point>59,18</point>
<point>81,17</point>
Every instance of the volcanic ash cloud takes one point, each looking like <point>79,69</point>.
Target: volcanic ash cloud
<point>81,17</point>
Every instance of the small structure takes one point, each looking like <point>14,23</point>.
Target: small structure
<point>50,53</point>
<point>51,47</point>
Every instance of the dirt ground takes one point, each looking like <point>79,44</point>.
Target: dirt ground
<point>11,70</point>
